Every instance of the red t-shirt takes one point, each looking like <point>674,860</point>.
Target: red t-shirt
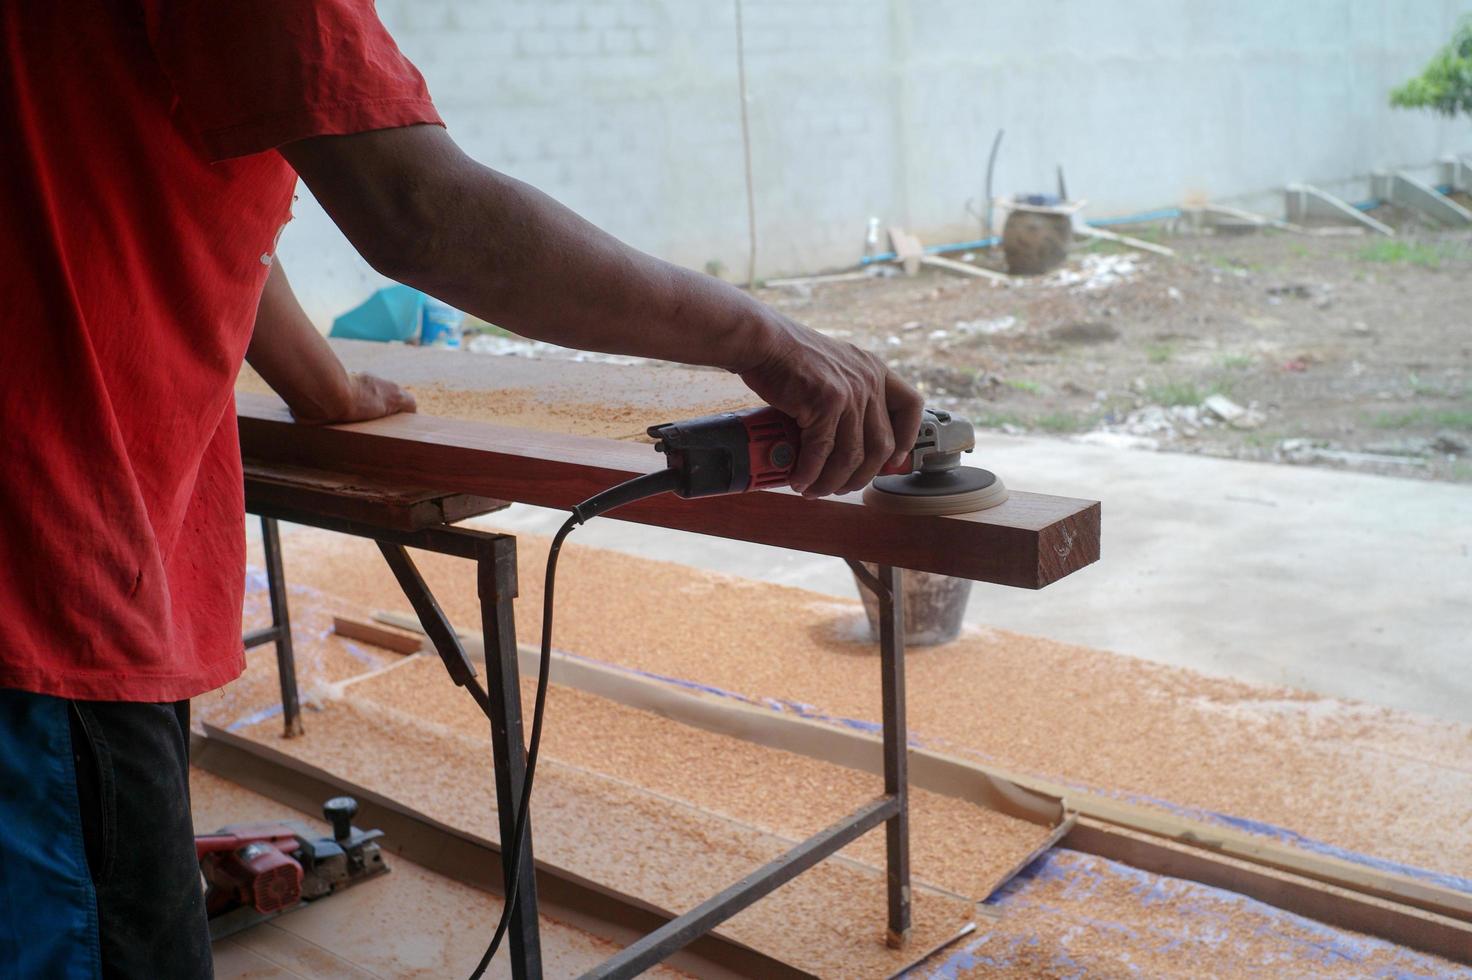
<point>140,202</point>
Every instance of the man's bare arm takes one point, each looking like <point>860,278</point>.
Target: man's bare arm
<point>423,213</point>
<point>286,349</point>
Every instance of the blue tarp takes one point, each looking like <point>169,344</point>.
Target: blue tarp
<point>392,313</point>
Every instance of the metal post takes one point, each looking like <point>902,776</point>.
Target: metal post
<point>496,582</point>
<point>896,747</point>
<point>291,710</point>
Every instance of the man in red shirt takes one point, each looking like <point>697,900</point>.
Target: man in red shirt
<point>151,148</point>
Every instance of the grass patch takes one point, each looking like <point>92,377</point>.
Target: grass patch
<point>1430,389</point>
<point>1236,362</point>
<point>1023,384</point>
<point>997,420</point>
<point>1398,251</point>
<point>1442,418</point>
<point>1173,393</point>
<point>1298,250</point>
<point>1057,423</point>
<point>1062,422</point>
<point>1160,353</point>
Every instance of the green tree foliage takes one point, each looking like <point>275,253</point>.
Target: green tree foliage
<point>1445,86</point>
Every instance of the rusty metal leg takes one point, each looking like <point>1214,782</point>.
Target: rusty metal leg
<point>496,579</point>
<point>896,746</point>
<point>291,710</point>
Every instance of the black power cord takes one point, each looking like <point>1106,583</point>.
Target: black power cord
<point>648,485</point>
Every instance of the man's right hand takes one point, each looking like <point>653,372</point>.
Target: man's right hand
<point>856,415</point>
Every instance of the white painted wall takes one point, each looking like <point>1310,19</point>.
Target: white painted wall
<point>628,111</point>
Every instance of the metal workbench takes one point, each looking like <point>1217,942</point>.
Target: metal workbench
<point>398,518</point>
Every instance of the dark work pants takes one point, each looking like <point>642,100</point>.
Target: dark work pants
<point>128,807</point>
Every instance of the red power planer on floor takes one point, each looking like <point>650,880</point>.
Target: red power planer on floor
<point>256,871</point>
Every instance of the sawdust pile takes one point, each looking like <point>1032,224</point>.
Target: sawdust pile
<point>410,924</point>
<point>1365,779</point>
<point>615,832</point>
<point>956,845</point>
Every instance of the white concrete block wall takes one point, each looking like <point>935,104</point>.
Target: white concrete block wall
<point>628,111</point>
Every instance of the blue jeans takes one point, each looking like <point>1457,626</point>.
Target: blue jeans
<point>98,876</point>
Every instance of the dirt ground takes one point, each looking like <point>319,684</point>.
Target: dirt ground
<point>1342,350</point>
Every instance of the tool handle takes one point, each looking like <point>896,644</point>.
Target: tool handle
<point>775,443</point>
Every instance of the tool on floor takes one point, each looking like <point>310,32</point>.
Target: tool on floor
<point>737,452</point>
<point>256,871</point>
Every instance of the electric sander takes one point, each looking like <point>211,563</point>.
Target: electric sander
<point>756,448</point>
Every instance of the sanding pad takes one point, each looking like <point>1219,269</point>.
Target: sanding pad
<point>962,490</point>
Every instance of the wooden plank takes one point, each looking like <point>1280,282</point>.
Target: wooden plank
<point>966,269</point>
<point>1023,796</point>
<point>469,858</point>
<point>404,505</point>
<point>929,770</point>
<point>394,640</point>
<point>1091,232</point>
<point>1324,903</point>
<point>1029,541</point>
<point>1330,890</point>
<point>907,249</point>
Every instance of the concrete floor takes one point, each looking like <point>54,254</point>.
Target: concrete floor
<point>1349,585</point>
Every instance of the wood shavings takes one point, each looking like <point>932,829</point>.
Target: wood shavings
<point>409,924</point>
<point>542,395</point>
<point>829,920</point>
<point>956,845</point>
<point>1365,779</point>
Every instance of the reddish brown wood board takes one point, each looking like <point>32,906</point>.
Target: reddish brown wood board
<point>1029,541</point>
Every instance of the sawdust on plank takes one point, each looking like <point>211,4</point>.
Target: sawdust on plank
<point>540,398</point>
<point>828,921</point>
<point>1366,779</point>
<point>409,924</point>
<point>955,844</point>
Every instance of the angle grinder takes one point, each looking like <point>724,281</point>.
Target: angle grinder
<point>757,448</point>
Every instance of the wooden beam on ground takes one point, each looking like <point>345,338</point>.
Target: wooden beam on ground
<point>1090,231</point>
<point>470,859</point>
<point>395,640</point>
<point>966,269</point>
<point>822,280</point>
<point>1389,885</point>
<point>1337,892</point>
<point>1324,903</point>
<point>931,771</point>
<point>1031,798</point>
<point>1217,215</point>
<point>1029,541</point>
<point>907,249</point>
